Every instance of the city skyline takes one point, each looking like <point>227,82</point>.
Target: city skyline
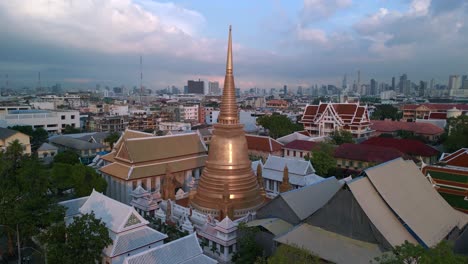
<point>83,43</point>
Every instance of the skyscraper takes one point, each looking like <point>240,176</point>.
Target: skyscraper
<point>285,89</point>
<point>196,87</point>
<point>373,87</point>
<point>227,186</point>
<point>393,83</point>
<point>213,88</point>
<point>454,82</point>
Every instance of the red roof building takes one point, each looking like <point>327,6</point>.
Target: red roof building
<point>298,149</point>
<point>361,156</point>
<point>450,177</point>
<point>277,103</point>
<point>411,112</point>
<point>323,119</point>
<point>427,130</point>
<point>410,147</point>
<point>263,146</point>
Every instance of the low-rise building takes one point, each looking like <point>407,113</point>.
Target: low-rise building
<point>410,147</point>
<point>298,149</point>
<point>280,104</point>
<point>174,126</point>
<point>299,173</point>
<point>263,146</point>
<point>428,131</point>
<point>7,136</point>
<point>104,123</point>
<point>357,157</point>
<point>128,230</point>
<point>411,112</point>
<point>87,151</point>
<point>324,118</point>
<point>46,151</point>
<point>450,177</point>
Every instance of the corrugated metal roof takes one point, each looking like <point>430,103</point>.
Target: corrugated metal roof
<point>182,250</point>
<point>411,196</point>
<point>300,180</point>
<point>306,200</point>
<point>330,246</point>
<point>6,133</point>
<point>46,146</point>
<point>379,213</point>
<point>275,225</point>
<point>134,239</point>
<point>74,143</point>
<point>73,206</point>
<point>113,213</point>
<point>295,166</point>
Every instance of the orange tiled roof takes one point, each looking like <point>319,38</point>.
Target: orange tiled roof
<point>262,143</point>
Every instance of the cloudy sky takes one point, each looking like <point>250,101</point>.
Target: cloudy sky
<point>81,43</point>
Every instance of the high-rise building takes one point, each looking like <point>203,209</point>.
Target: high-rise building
<point>374,87</point>
<point>285,89</point>
<point>196,87</point>
<point>345,83</point>
<point>228,186</point>
<point>393,83</point>
<point>454,82</point>
<point>422,89</point>
<point>213,88</point>
<point>299,90</point>
<point>404,85</point>
<point>464,82</point>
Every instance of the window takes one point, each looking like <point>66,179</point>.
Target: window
<point>301,154</point>
<point>271,185</point>
<point>230,249</point>
<point>63,117</point>
<point>294,153</point>
<point>143,184</point>
<point>73,125</point>
<point>153,184</point>
<point>63,125</point>
<point>134,185</point>
<point>288,152</point>
<point>72,116</point>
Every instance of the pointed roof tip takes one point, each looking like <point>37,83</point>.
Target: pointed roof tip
<point>229,55</point>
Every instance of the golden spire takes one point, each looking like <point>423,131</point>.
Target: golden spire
<point>228,185</point>
<point>228,114</point>
<point>285,185</point>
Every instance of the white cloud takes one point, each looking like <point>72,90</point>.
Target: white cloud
<point>314,10</point>
<point>311,35</point>
<point>110,26</point>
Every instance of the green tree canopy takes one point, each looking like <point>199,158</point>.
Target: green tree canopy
<point>81,242</point>
<point>322,159</point>
<point>456,137</point>
<point>248,250</point>
<point>67,157</point>
<point>341,136</point>
<point>39,136</point>
<point>70,130</point>
<point>278,125</point>
<point>409,253</point>
<point>112,138</point>
<point>85,179</point>
<point>385,111</point>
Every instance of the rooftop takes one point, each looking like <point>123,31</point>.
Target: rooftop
<point>406,146</point>
<point>366,152</point>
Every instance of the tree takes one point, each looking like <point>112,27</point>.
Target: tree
<point>85,179</point>
<point>70,130</point>
<point>14,151</point>
<point>28,130</point>
<point>61,177</point>
<point>457,129</point>
<point>39,136</point>
<point>286,254</point>
<point>341,136</point>
<point>248,250</point>
<point>408,253</point>
<point>112,138</point>
<point>322,159</point>
<point>67,157</point>
<point>386,111</point>
<point>81,242</point>
<point>278,125</point>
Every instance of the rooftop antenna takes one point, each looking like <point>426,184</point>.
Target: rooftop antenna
<point>141,77</point>
<point>39,80</point>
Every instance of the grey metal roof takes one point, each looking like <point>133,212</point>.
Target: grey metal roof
<point>73,206</point>
<point>135,239</point>
<point>6,133</point>
<point>295,166</point>
<point>46,146</point>
<point>306,200</point>
<point>275,225</point>
<point>98,136</point>
<point>330,246</point>
<point>75,143</point>
<point>183,250</point>
<point>300,180</point>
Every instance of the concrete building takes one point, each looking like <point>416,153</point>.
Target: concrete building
<point>51,121</point>
<point>174,126</point>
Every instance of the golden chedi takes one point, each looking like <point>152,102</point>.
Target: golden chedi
<point>228,186</point>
